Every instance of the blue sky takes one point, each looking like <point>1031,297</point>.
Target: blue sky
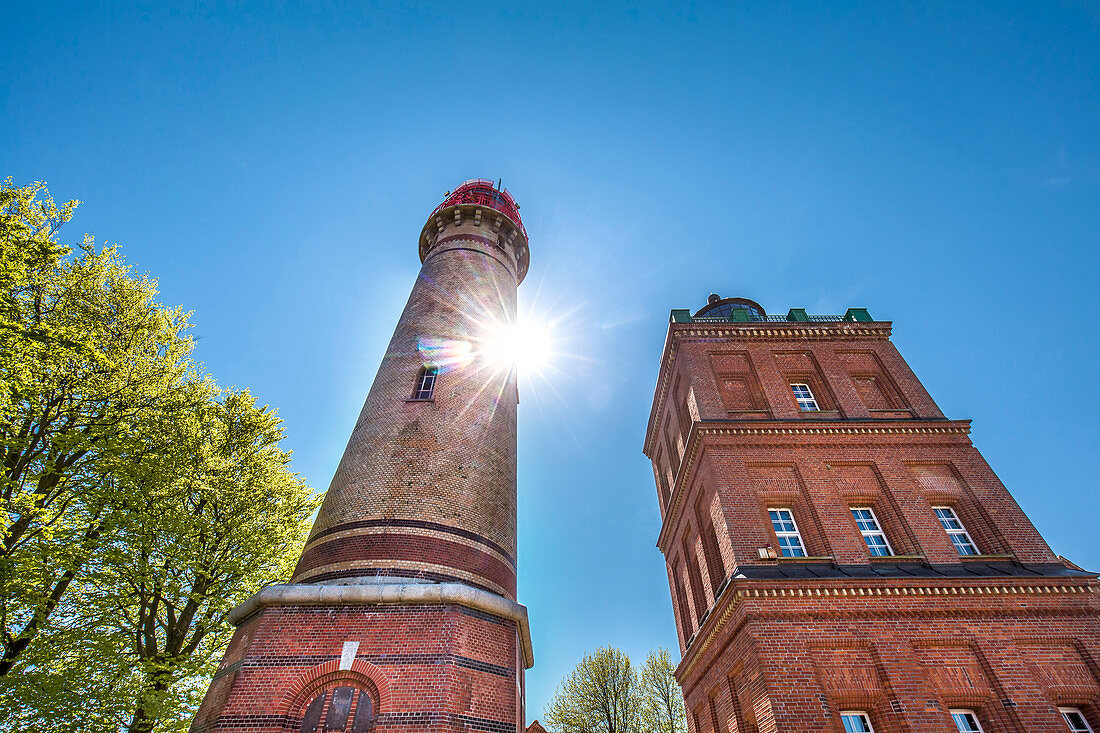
<point>273,167</point>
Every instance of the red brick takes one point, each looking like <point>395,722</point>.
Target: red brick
<point>782,654</point>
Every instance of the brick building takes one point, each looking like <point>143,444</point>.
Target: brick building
<point>401,614</point>
<point>840,556</point>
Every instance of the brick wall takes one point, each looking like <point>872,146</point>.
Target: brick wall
<point>443,668</point>
<point>904,652</point>
<point>786,644</point>
<point>427,489</point>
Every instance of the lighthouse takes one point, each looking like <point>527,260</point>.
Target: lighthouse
<point>401,613</point>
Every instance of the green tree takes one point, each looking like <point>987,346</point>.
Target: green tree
<point>601,695</point>
<point>222,517</point>
<point>607,694</point>
<point>662,708</point>
<point>141,503</point>
<point>86,355</point>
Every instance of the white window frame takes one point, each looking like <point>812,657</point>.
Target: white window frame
<point>856,714</point>
<point>954,533</point>
<point>1065,716</point>
<point>807,402</point>
<point>780,535</point>
<point>965,711</point>
<point>876,532</point>
<point>425,382</point>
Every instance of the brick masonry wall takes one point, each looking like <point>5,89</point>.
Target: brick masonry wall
<point>728,441</point>
<point>427,489</point>
<point>820,476</point>
<point>429,668</point>
<point>794,662</point>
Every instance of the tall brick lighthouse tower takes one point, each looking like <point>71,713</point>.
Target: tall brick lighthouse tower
<point>840,556</point>
<point>402,613</point>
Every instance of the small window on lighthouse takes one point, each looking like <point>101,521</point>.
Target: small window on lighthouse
<point>955,530</point>
<point>425,383</point>
<point>343,709</point>
<point>872,533</point>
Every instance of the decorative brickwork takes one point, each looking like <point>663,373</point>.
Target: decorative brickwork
<point>785,643</point>
<point>401,614</point>
<point>437,662</point>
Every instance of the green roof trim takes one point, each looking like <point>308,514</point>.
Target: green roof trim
<point>679,315</point>
<point>858,314</point>
<point>797,314</point>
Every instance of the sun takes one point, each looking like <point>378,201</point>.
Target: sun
<point>524,345</point>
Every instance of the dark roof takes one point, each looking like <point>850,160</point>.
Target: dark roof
<point>717,306</point>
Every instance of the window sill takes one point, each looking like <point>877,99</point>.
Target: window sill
<point>892,414</point>
<point>897,558</point>
<point>808,558</point>
<point>819,414</point>
<point>414,399</point>
<point>986,558</point>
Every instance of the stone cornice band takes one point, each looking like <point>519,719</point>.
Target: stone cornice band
<point>732,599</point>
<point>433,232</point>
<point>406,595</point>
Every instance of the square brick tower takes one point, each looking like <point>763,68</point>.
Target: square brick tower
<point>840,556</point>
<point>402,615</point>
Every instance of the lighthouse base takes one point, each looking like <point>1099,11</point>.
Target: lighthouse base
<point>417,657</point>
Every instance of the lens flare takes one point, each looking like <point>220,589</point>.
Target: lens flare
<point>526,346</point>
<point>445,354</point>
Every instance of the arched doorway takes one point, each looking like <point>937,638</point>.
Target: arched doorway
<point>339,709</point>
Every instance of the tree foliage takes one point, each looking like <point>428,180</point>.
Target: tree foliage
<point>607,694</point>
<point>140,501</point>
<point>86,356</point>
<point>662,707</point>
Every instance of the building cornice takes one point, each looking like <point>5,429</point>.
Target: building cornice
<point>732,599</point>
<point>461,221</point>
<point>794,431</point>
<point>751,331</point>
<point>410,594</point>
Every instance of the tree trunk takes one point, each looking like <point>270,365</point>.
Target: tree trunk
<point>143,721</point>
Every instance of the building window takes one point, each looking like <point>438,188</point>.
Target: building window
<point>872,533</point>
<point>1075,720</point>
<point>425,383</point>
<point>804,397</point>
<point>856,722</point>
<point>966,721</point>
<point>786,531</point>
<point>955,530</point>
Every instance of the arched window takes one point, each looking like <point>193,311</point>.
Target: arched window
<point>425,383</point>
<point>340,708</point>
